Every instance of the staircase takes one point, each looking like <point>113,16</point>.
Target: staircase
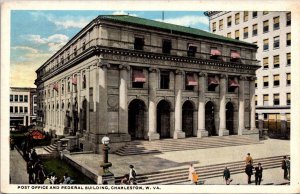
<point>51,149</point>
<point>180,176</point>
<point>166,145</point>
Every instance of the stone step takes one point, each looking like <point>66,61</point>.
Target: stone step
<point>51,148</point>
<point>176,176</point>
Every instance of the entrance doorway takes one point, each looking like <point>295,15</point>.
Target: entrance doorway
<point>229,118</point>
<point>187,118</point>
<point>210,119</point>
<point>163,119</point>
<point>136,118</point>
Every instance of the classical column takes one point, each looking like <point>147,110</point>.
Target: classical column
<point>153,135</point>
<point>178,133</point>
<point>123,108</point>
<point>87,96</point>
<point>252,103</point>
<point>102,103</point>
<point>201,108</point>
<point>222,113</point>
<point>241,106</point>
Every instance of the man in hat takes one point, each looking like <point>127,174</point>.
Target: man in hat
<point>132,174</point>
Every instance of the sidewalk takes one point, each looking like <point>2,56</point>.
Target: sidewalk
<point>18,173</point>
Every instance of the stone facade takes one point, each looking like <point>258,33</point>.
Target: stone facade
<point>103,83</point>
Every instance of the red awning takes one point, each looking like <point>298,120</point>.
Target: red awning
<point>212,81</point>
<point>191,81</point>
<point>235,55</point>
<point>215,52</point>
<point>55,86</point>
<point>233,83</point>
<point>74,80</point>
<point>138,76</point>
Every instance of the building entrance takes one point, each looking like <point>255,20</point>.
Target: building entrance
<point>136,118</point>
<point>187,118</point>
<point>229,118</point>
<point>210,119</point>
<point>163,119</point>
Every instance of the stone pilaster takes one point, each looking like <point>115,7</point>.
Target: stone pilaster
<point>153,135</point>
<point>252,103</point>
<point>102,103</point>
<point>222,112</point>
<point>123,108</point>
<point>201,108</point>
<point>178,133</point>
<point>241,106</point>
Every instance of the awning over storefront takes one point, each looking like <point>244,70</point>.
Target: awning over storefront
<point>213,81</point>
<point>215,52</point>
<point>191,81</point>
<point>138,76</point>
<point>235,55</point>
<point>233,83</point>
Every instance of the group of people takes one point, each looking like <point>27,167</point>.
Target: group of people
<point>129,179</point>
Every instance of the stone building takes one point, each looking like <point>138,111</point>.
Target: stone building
<point>134,78</point>
<point>271,32</point>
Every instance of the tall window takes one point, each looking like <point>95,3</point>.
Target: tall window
<point>69,84</point>
<point>11,97</point>
<point>68,55</point>
<point>266,81</point>
<point>288,19</point>
<point>62,59</point>
<point>192,49</point>
<point>229,21</point>
<point>266,44</point>
<point>62,88</point>
<point>288,79</point>
<point>288,99</point>
<point>164,80</point>
<point>167,46</point>
<point>138,78</point>
<point>83,80</point>
<point>21,109</point>
<point>254,14</point>
<point>138,43</point>
<point>255,82</point>
<point>266,99</point>
<point>16,98</point>
<point>276,60</point>
<point>11,109</point>
<point>266,63</point>
<point>221,25</point>
<point>83,45</point>
<point>276,24</point>
<point>25,109</point>
<point>237,34</point>
<point>266,26</point>
<point>254,30</point>
<point>276,42</point>
<point>255,100</point>
<point>288,39</point>
<point>190,81</point>
<point>214,27</point>
<point>245,32</point>
<point>75,51</point>
<point>237,18</point>
<point>16,109</point>
<point>21,98</point>
<point>229,35</point>
<point>246,14</point>
<point>276,80</point>
<point>288,59</point>
<point>276,100</point>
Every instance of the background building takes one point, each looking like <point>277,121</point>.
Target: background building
<point>271,31</point>
<point>134,78</point>
<point>23,107</point>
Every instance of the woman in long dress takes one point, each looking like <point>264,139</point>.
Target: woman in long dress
<point>191,171</point>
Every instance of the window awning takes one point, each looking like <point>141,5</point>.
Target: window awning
<point>191,81</point>
<point>215,52</point>
<point>235,55</point>
<point>55,86</point>
<point>233,83</point>
<point>213,81</point>
<point>138,76</point>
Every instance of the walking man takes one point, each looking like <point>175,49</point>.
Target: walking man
<point>248,159</point>
<point>284,167</point>
<point>258,174</point>
<point>249,171</point>
<point>191,171</point>
<point>226,176</point>
<point>288,167</point>
<point>132,175</point>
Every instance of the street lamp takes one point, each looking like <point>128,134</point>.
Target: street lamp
<point>104,172</point>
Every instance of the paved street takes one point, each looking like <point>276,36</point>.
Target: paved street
<point>179,159</point>
<point>18,173</point>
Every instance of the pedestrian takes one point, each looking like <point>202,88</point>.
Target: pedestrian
<point>284,167</point>
<point>41,175</point>
<point>34,155</point>
<point>125,179</point>
<point>30,171</point>
<point>249,171</point>
<point>53,179</point>
<point>226,176</point>
<point>195,178</point>
<point>12,144</point>
<point>132,175</point>
<point>258,174</point>
<point>248,159</point>
<point>288,166</point>
<point>66,179</point>
<point>191,171</point>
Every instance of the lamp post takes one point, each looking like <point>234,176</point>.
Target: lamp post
<point>105,174</point>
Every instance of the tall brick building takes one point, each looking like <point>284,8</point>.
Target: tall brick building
<point>134,78</point>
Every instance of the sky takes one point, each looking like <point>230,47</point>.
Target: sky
<point>37,35</point>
